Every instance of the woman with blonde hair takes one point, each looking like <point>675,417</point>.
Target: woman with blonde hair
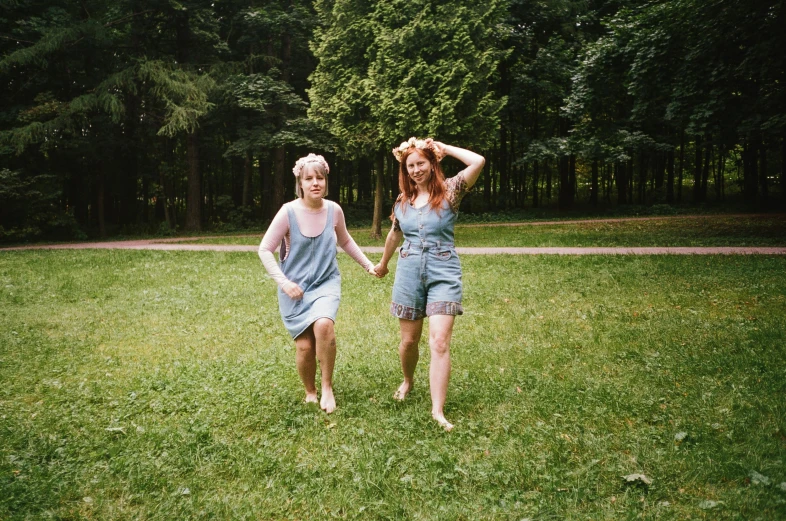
<point>309,285</point>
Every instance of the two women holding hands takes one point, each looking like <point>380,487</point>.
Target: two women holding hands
<point>428,273</point>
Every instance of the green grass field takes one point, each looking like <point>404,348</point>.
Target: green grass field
<point>161,385</point>
<point>709,230</point>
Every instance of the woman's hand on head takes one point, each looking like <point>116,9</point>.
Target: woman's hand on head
<point>292,290</point>
<point>439,149</point>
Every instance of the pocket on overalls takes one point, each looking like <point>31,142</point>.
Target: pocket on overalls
<point>443,255</point>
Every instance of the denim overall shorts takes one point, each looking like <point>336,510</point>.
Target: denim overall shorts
<point>428,271</point>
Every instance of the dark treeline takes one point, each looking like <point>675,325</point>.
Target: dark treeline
<point>123,116</point>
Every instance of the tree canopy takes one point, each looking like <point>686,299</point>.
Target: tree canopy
<point>153,115</point>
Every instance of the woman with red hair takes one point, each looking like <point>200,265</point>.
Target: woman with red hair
<point>428,272</point>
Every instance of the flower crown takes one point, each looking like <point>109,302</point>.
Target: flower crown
<point>311,158</point>
<point>421,144</point>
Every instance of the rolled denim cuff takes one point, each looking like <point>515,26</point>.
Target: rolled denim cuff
<point>444,308</point>
<point>405,312</point>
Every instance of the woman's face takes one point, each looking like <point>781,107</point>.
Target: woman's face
<point>313,183</point>
<point>419,168</point>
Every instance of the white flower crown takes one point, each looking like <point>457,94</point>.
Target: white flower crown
<point>421,144</point>
<point>311,158</point>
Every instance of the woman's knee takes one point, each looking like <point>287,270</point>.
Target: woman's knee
<point>409,340</point>
<point>305,348</point>
<point>323,328</point>
<point>439,345</point>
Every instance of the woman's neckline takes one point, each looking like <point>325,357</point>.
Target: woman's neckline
<point>308,209</point>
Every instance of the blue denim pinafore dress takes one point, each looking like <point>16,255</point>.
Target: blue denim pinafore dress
<point>428,271</point>
<point>311,263</point>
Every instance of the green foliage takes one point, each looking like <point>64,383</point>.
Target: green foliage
<point>686,64</point>
<point>340,92</point>
<point>183,93</point>
<point>389,70</point>
<point>30,209</point>
<point>101,95</point>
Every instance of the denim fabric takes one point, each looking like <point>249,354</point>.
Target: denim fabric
<point>428,272</point>
<point>311,263</point>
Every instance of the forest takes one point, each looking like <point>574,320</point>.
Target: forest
<point>156,116</point>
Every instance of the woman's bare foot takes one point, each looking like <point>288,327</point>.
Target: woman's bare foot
<point>402,391</point>
<point>444,423</point>
<point>312,397</point>
<point>328,401</point>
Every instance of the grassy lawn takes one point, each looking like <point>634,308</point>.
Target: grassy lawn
<point>710,230</point>
<point>161,385</point>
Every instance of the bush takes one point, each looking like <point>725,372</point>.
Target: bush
<point>29,209</point>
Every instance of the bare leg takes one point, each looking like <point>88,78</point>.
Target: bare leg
<point>326,354</point>
<point>305,359</point>
<point>440,330</point>
<point>409,354</point>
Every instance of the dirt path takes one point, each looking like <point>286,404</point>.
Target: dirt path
<point>181,243</point>
<point>621,250</point>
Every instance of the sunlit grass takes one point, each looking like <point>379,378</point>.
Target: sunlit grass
<point>161,385</point>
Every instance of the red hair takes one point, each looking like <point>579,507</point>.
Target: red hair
<point>408,187</point>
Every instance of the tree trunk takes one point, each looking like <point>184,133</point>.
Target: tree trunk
<point>547,166</point>
<point>659,176</point>
<point>394,171</point>
<point>350,190</point>
<point>750,170</point>
<point>565,190</point>
<point>502,167</point>
<point>100,194</point>
<point>697,171</point>
<point>682,164</point>
<point>783,172</point>
<point>487,184</point>
<point>705,172</point>
<point>248,168</point>
<point>193,201</point>
<point>266,209</point>
<point>644,162</point>
<point>535,181</point>
<point>376,225</point>
<point>621,181</point>
<point>279,164</point>
<point>594,184</point>
<point>670,178</point>
<point>763,188</point>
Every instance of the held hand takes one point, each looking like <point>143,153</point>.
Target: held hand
<point>380,270</point>
<point>373,271</point>
<point>292,290</point>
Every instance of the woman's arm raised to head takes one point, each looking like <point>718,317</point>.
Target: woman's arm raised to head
<point>473,161</point>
